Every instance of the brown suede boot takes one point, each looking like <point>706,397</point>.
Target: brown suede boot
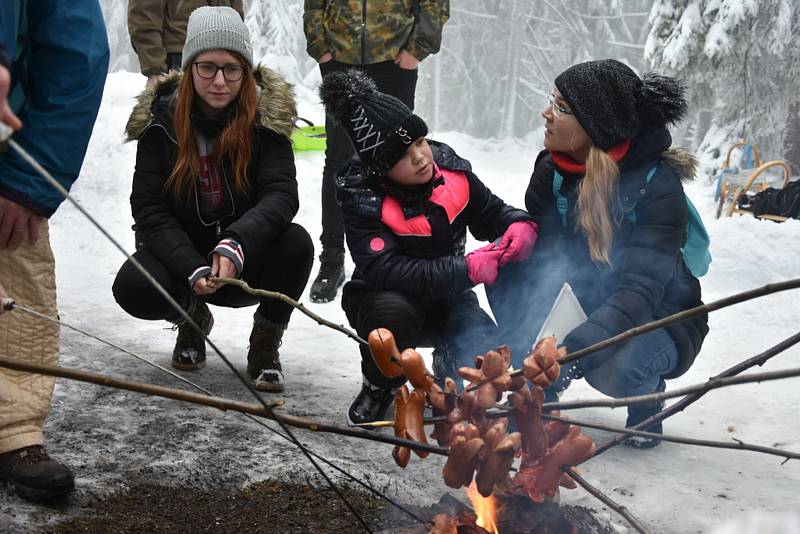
<point>190,347</point>
<point>34,474</point>
<point>263,359</point>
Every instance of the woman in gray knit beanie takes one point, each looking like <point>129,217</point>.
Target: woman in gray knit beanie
<point>214,195</point>
<point>613,220</point>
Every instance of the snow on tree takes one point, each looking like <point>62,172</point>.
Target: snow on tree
<point>738,57</point>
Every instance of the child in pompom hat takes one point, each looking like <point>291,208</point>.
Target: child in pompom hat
<point>407,203</point>
<point>607,195</point>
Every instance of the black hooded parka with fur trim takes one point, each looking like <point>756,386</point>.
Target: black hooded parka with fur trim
<point>172,227</point>
<point>648,278</point>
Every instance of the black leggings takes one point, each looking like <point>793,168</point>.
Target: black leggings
<point>458,331</point>
<point>284,266</point>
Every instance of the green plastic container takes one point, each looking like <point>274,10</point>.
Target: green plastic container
<point>308,137</point>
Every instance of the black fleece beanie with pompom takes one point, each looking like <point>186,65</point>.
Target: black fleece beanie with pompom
<point>612,103</point>
<point>380,126</point>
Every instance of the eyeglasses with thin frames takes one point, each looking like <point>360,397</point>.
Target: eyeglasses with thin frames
<point>208,71</point>
<point>557,110</point>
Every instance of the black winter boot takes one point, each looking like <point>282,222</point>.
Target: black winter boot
<point>190,347</point>
<point>638,413</point>
<point>263,359</point>
<point>328,280</point>
<point>34,474</point>
<point>369,405</point>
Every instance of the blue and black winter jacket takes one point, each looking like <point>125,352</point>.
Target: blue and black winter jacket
<point>58,54</point>
<point>648,278</point>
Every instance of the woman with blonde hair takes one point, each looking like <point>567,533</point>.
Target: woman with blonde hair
<point>214,195</point>
<point>608,199</point>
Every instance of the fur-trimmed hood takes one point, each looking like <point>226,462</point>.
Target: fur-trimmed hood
<point>683,162</point>
<point>277,109</point>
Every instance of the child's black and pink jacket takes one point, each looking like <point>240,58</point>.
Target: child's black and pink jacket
<point>412,239</point>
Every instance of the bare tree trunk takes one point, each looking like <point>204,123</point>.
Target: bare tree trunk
<point>510,99</point>
<point>702,125</point>
<point>791,145</point>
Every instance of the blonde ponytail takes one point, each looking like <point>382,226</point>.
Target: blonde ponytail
<point>596,191</point>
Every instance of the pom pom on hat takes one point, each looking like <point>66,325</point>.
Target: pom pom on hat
<point>662,98</point>
<point>380,126</point>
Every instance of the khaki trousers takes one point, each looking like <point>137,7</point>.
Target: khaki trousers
<point>28,276</point>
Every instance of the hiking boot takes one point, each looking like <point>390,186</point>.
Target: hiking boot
<point>34,474</point>
<point>370,405</point>
<point>263,359</point>
<point>638,413</point>
<point>328,280</point>
<point>190,347</point>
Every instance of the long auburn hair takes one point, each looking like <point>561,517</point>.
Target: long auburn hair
<point>596,191</point>
<point>235,141</point>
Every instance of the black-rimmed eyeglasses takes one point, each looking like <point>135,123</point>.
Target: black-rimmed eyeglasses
<point>208,71</point>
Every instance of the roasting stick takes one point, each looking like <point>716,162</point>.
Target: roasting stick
<point>671,319</point>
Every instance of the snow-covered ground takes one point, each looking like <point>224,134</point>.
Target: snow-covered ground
<point>113,438</point>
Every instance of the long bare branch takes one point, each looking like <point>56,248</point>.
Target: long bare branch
<point>294,304</point>
<point>675,318</point>
<point>712,383</point>
<point>217,402</point>
<point>736,445</point>
<point>686,314</point>
<point>605,499</point>
<point>759,359</point>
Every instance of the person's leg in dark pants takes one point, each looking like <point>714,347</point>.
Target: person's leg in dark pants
<point>467,332</point>
<point>338,150</point>
<point>392,80</point>
<point>137,296</point>
<point>284,266</point>
<point>404,316</point>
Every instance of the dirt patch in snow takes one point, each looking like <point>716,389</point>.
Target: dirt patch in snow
<point>267,506</point>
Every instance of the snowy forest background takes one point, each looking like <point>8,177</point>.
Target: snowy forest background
<point>740,58</point>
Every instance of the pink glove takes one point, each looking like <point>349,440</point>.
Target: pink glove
<point>482,264</point>
<point>518,241</point>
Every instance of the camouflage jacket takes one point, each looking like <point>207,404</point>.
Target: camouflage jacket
<point>361,32</point>
<point>158,27</point>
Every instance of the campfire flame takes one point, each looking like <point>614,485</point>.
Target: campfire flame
<point>485,509</point>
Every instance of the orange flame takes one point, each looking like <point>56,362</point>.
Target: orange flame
<point>485,509</point>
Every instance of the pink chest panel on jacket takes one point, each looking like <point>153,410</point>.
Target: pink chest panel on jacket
<point>453,196</point>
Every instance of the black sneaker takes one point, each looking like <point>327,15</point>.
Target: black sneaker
<point>370,405</point>
<point>329,278</point>
<point>34,474</point>
<point>190,347</point>
<point>638,413</point>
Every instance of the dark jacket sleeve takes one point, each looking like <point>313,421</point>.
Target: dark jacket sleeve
<point>66,68</point>
<point>153,213</point>
<point>146,26</point>
<point>426,37</point>
<point>647,266</point>
<point>278,202</point>
<point>539,195</point>
<point>490,215</point>
<point>390,268</point>
<point>313,13</point>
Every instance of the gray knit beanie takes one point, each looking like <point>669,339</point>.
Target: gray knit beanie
<point>216,28</point>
